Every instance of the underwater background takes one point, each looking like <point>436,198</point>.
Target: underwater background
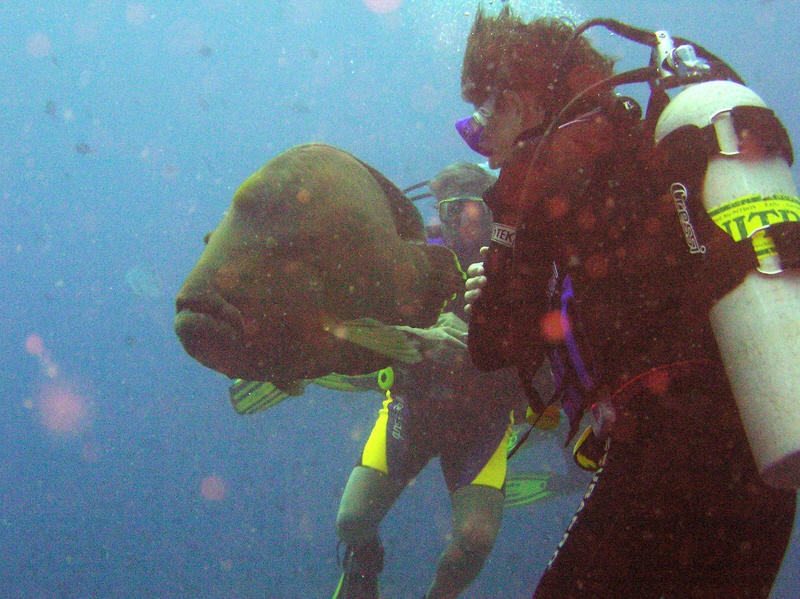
<point>126,128</point>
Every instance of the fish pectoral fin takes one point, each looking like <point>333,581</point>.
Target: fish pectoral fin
<point>251,397</point>
<point>381,338</point>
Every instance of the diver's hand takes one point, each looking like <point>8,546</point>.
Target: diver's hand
<point>476,281</point>
<point>446,341</point>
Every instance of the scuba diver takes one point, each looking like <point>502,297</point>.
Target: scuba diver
<point>616,257</point>
<point>442,407</point>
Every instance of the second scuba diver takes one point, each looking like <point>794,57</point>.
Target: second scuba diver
<point>440,407</point>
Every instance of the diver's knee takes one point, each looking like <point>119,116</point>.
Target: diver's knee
<point>475,536</point>
<point>353,521</point>
<point>464,557</point>
<point>364,503</point>
<point>478,512</point>
<point>354,524</point>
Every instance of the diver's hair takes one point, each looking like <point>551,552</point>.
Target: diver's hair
<point>461,179</point>
<point>505,53</point>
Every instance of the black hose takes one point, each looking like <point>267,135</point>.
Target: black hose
<point>415,186</point>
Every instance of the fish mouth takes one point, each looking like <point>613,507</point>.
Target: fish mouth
<point>213,332</point>
<point>207,323</point>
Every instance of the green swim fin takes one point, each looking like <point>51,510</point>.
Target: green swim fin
<point>249,397</point>
<point>380,338</point>
<point>523,488</point>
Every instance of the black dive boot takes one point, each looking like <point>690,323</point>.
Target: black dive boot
<point>361,567</point>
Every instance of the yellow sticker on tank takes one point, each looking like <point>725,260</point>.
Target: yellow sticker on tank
<point>763,245</point>
<point>742,217</point>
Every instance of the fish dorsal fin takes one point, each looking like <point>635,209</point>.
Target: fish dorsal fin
<point>408,220</point>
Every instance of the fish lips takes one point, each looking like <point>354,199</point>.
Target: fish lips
<point>211,330</point>
<point>214,333</point>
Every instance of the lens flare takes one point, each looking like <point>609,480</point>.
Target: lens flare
<point>39,45</point>
<point>382,7</point>
<point>658,382</point>
<point>136,14</point>
<point>34,345</point>
<point>596,266</point>
<point>213,488</point>
<point>551,327</point>
<point>62,411</point>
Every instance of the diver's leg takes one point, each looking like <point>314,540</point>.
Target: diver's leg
<point>367,498</point>
<point>676,510</point>
<point>370,491</point>
<point>591,559</point>
<point>736,528</point>
<point>477,513</point>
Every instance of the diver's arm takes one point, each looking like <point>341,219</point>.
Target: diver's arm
<point>489,322</point>
<point>445,342</point>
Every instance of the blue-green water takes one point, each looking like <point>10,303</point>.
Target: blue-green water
<point>126,128</point>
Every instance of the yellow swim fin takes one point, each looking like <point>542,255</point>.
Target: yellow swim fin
<point>548,420</point>
<point>589,452</point>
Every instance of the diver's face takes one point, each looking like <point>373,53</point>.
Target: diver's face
<point>474,226</point>
<point>467,228</point>
<point>511,116</point>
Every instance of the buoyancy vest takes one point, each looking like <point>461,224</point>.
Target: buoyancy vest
<point>591,213</point>
<point>521,291</point>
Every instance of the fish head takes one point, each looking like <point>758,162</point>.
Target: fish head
<point>309,242</point>
<point>254,306</point>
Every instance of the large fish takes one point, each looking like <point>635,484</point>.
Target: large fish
<point>316,255</point>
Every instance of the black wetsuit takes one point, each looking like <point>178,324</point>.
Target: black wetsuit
<point>451,410</point>
<point>678,509</point>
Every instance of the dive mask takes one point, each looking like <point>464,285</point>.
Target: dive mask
<point>452,209</point>
<point>471,129</point>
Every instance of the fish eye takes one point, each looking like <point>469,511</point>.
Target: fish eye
<point>207,236</point>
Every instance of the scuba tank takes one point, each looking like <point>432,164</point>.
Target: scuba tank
<point>757,324</point>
